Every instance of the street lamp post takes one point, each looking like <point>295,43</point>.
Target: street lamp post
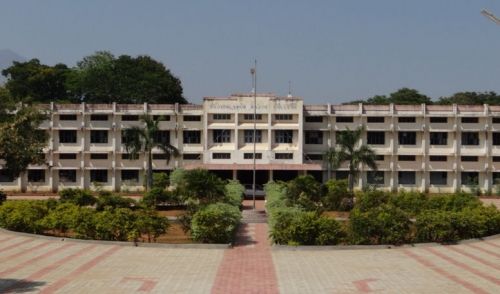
<point>253,71</point>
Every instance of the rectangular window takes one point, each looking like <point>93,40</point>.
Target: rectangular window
<point>496,178</point>
<point>314,119</point>
<point>191,137</point>
<point>310,156</point>
<point>470,178</point>
<point>36,176</point>
<point>496,120</point>
<point>222,136</point>
<point>159,156</point>
<point>406,178</point>
<point>191,156</point>
<point>407,119</point>
<point>221,155</point>
<point>250,155</point>
<point>5,177</point>
<point>161,117</point>
<point>63,156</point>
<point>341,175</point>
<point>192,118</point>
<point>375,119</point>
<point>375,177</point>
<point>407,138</point>
<point>67,176</point>
<point>375,138</point>
<point>162,137</point>
<point>496,158</point>
<point>469,158</point>
<point>67,117</point>
<point>99,156</point>
<point>129,117</point>
<point>283,136</point>
<point>438,120</point>
<point>283,155</point>
<point>438,178</point>
<point>248,136</point>
<point>379,157</point>
<point>470,120</point>
<point>283,116</point>
<point>250,116</point>
<point>99,117</point>
<point>406,158</point>
<point>221,116</point>
<point>130,175</point>
<point>438,138</point>
<point>314,137</point>
<point>470,138</point>
<point>496,138</point>
<point>129,156</point>
<point>99,136</point>
<point>344,119</point>
<point>67,136</point>
<point>438,158</point>
<point>99,175</point>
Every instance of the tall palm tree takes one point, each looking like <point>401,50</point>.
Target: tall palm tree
<point>145,139</point>
<point>346,149</point>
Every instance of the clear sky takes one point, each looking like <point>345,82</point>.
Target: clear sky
<point>331,51</point>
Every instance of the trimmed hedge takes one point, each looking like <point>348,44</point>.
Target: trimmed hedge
<point>234,192</point>
<point>215,223</point>
<point>23,215</point>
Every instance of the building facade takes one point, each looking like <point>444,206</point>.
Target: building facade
<point>434,148</point>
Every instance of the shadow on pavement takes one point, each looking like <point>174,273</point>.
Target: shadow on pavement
<point>19,286</point>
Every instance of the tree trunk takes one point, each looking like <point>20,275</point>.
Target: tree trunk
<point>351,177</point>
<point>149,172</point>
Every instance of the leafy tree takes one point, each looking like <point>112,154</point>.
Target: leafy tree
<point>401,96</point>
<point>6,104</point>
<point>347,150</point>
<point>78,197</point>
<point>471,98</point>
<point>203,187</point>
<point>303,191</point>
<point>145,139</point>
<point>152,225</point>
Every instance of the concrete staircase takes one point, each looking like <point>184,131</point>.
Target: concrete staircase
<point>251,216</point>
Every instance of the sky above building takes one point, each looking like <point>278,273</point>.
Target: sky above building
<point>331,51</point>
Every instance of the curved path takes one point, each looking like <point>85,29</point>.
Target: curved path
<point>39,265</point>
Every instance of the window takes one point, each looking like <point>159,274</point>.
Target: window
<point>341,175</point>
<point>67,176</point>
<point>67,117</point>
<point>406,158</point>
<point>283,117</point>
<point>192,118</point>
<point>99,156</point>
<point>344,119</point>
<point>129,156</point>
<point>250,116</point>
<point>248,136</point>
<point>99,117</point>
<point>496,158</point>
<point>161,117</point>
<point>379,157</point>
<point>283,155</point>
<point>191,156</point>
<point>496,139</point>
<point>310,156</point>
<point>375,119</point>
<point>438,138</point>
<point>124,137</point>
<point>470,178</point>
<point>470,138</point>
<point>222,116</point>
<point>406,119</point>
<point>438,158</point>
<point>406,178</point>
<point>469,158</point>
<point>67,136</point>
<point>222,136</point>
<point>496,178</point>
<point>159,156</point>
<point>375,138</point>
<point>162,137</point>
<point>439,120</point>
<point>130,175</point>
<point>283,136</point>
<point>314,137</point>
<point>221,155</point>
<point>128,117</point>
<point>438,178</point>
<point>99,136</point>
<point>250,155</point>
<point>5,177</point>
<point>470,120</point>
<point>407,138</point>
<point>191,137</point>
<point>496,120</point>
<point>36,175</point>
<point>375,177</point>
<point>99,175</point>
<point>314,119</point>
<point>63,156</point>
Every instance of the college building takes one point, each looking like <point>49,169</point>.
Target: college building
<point>434,148</point>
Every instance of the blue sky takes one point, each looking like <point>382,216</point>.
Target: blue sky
<point>331,51</point>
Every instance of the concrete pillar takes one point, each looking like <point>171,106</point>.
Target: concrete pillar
<point>271,178</point>
<point>235,174</point>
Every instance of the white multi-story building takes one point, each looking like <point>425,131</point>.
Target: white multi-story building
<point>435,148</point>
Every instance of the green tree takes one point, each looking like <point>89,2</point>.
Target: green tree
<point>347,150</point>
<point>409,96</point>
<point>145,139</point>
<point>203,187</point>
<point>471,98</point>
<point>6,104</point>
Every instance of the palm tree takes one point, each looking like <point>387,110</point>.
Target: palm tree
<point>145,139</point>
<point>347,150</point>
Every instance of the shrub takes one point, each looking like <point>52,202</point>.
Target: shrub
<point>77,196</point>
<point>234,192</point>
<point>303,191</point>
<point>275,195</point>
<point>110,200</point>
<point>177,177</point>
<point>149,223</point>
<point>215,223</point>
<point>281,220</point>
<point>23,215</point>
<point>336,192</point>
<point>155,196</point>
<point>366,201</point>
<point>202,187</point>
<point>384,224</point>
<point>160,180</point>
<point>3,197</point>
<point>411,202</point>
<point>115,225</point>
<point>453,202</point>
<point>63,217</point>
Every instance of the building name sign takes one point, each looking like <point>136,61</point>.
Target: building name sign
<point>249,107</point>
